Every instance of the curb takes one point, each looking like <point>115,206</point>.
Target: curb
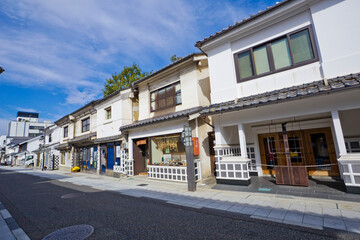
<point>12,230</point>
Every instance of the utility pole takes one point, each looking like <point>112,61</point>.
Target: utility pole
<point>190,165</point>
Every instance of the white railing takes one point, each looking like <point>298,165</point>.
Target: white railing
<point>350,168</point>
<point>173,173</point>
<point>235,151</point>
<point>232,169</point>
<point>129,167</point>
<point>117,169</point>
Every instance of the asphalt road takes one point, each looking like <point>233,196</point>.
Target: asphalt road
<point>37,206</point>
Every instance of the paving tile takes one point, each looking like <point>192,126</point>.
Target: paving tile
<point>277,214</point>
<point>313,220</point>
<point>331,212</point>
<point>313,210</point>
<point>350,215</point>
<point>213,205</point>
<point>248,210</point>
<point>235,208</point>
<point>262,212</point>
<point>204,203</point>
<point>297,207</point>
<point>282,205</point>
<point>5,233</point>
<point>293,217</point>
<point>224,206</point>
<point>333,222</point>
<point>5,213</point>
<point>352,226</point>
<point>20,234</point>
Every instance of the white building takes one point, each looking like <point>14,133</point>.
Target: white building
<point>27,125</point>
<point>286,92</point>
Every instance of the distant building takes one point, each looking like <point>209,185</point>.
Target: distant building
<point>27,125</point>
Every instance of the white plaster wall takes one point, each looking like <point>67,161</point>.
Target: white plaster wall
<point>93,125</point>
<point>350,120</point>
<point>337,28</point>
<point>335,24</point>
<point>121,114</point>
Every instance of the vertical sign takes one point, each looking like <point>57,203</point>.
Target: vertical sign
<point>118,152</point>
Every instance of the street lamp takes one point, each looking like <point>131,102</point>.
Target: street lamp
<point>2,70</point>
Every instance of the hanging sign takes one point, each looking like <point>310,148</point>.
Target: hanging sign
<point>118,152</point>
<point>141,142</point>
<point>196,145</point>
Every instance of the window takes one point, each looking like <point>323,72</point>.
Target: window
<point>108,113</point>
<point>50,139</point>
<point>85,125</point>
<point>166,97</point>
<point>66,131</point>
<point>292,50</point>
<point>36,127</point>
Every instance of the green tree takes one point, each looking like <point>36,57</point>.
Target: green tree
<point>124,79</point>
<point>174,58</point>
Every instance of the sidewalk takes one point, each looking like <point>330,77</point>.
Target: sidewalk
<point>301,211</point>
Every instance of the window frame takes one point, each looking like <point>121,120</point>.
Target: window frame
<point>107,110</point>
<point>166,96</point>
<point>67,132</point>
<point>267,44</point>
<point>87,125</point>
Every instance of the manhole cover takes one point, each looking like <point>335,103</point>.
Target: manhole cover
<point>77,232</point>
<point>73,195</point>
<point>142,185</point>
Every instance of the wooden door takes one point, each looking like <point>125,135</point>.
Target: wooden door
<point>320,152</point>
<point>211,137</point>
<point>139,159</point>
<point>270,151</point>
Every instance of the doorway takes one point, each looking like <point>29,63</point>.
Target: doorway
<point>311,148</point>
<point>141,155</point>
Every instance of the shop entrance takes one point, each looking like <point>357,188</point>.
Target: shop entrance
<point>311,148</point>
<point>141,155</point>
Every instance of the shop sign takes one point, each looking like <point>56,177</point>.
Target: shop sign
<point>196,145</point>
<point>141,142</point>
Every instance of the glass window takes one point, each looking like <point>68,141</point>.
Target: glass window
<point>301,46</point>
<point>261,60</point>
<point>85,125</point>
<point>281,54</point>
<point>245,65</point>
<point>66,132</point>
<point>108,113</point>
<point>167,150</point>
<point>166,97</point>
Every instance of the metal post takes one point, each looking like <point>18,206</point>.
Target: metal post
<point>190,165</point>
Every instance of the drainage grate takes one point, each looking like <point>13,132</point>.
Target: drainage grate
<point>142,185</point>
<point>77,232</point>
<point>73,195</point>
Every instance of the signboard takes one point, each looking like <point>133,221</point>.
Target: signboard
<point>141,142</point>
<point>196,145</point>
<point>118,152</point>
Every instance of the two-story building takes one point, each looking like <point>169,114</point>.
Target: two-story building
<point>285,96</point>
<point>165,102</point>
<point>113,111</point>
<point>77,134</point>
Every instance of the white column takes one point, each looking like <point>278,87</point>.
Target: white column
<point>219,138</point>
<point>339,133</point>
<point>131,156</point>
<point>242,140</point>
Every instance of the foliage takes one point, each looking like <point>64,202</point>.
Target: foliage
<point>174,58</point>
<point>124,79</point>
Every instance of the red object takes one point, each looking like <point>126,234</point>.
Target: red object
<point>196,146</point>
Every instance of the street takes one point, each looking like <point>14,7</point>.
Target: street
<point>36,205</point>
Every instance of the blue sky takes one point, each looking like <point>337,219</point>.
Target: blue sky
<point>58,53</point>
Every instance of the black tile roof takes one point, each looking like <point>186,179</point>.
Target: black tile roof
<point>238,24</point>
<point>286,94</point>
<point>107,139</point>
<point>183,113</point>
<point>167,67</point>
